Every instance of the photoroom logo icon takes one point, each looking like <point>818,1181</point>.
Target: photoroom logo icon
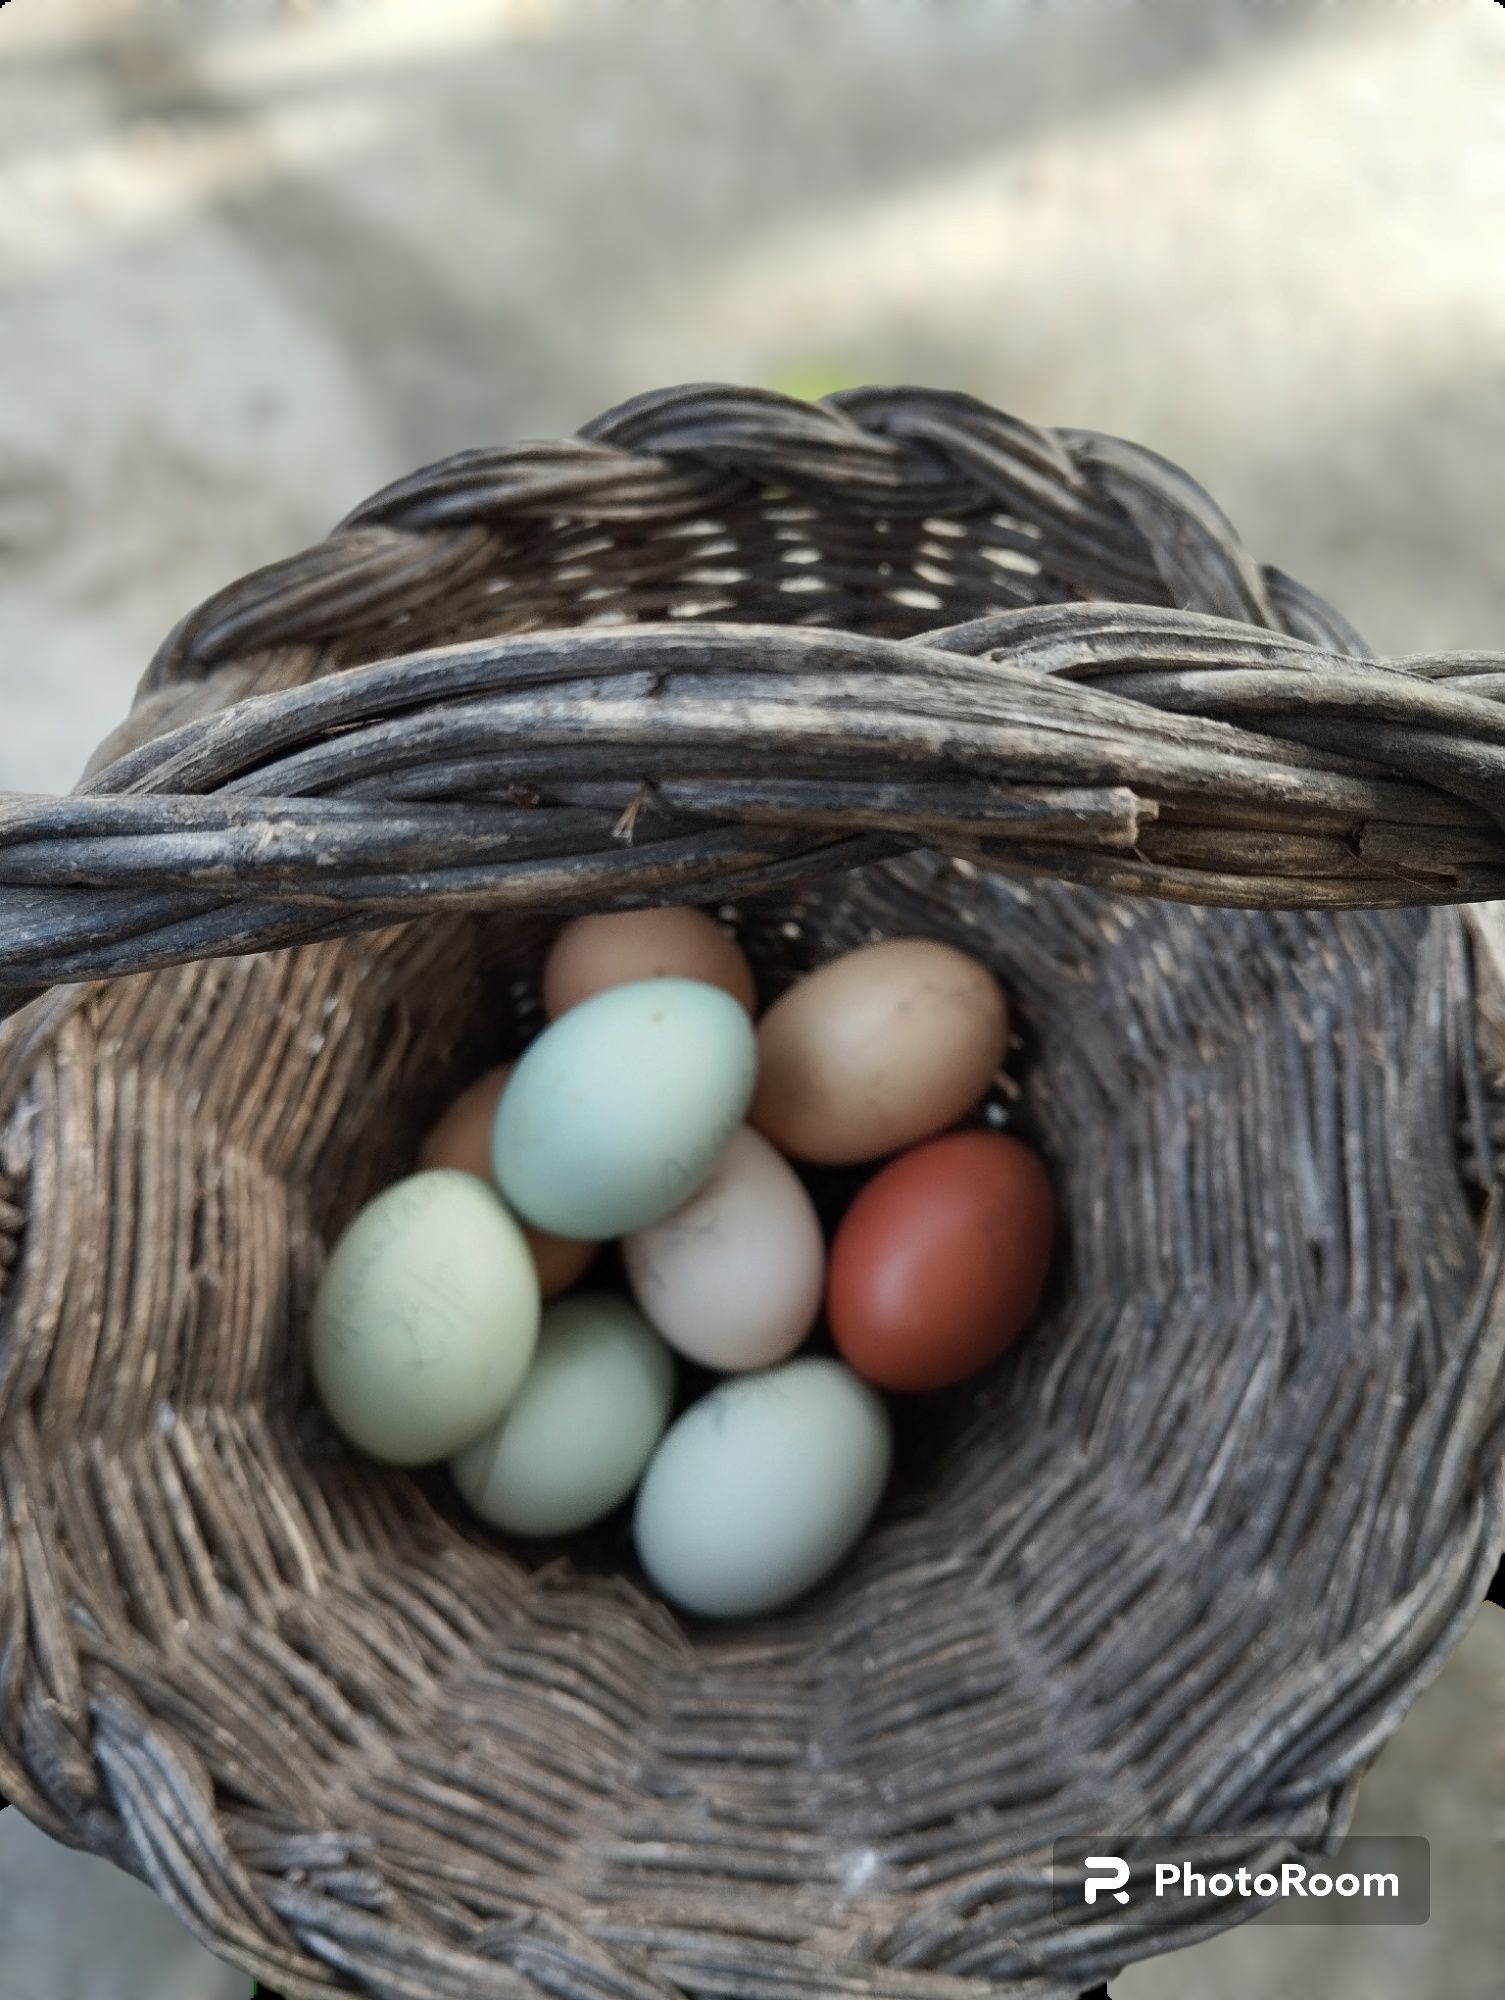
<point>1111,1874</point>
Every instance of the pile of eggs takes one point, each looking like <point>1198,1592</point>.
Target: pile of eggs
<point>656,1111</point>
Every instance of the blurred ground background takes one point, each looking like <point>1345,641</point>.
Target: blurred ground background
<point>256,259</point>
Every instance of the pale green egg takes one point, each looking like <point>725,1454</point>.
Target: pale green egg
<point>426,1318</point>
<point>762,1487</point>
<point>575,1441</point>
<point>619,1111</point>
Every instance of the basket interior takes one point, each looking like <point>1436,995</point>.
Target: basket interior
<point>1089,1555</point>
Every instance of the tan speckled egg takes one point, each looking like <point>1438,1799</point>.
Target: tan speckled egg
<point>462,1139</point>
<point>620,947</point>
<point>877,1049</point>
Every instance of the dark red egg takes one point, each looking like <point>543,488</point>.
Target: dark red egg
<point>940,1260</point>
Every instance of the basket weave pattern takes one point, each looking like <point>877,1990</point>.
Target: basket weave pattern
<point>893,663</point>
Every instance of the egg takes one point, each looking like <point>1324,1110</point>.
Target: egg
<point>574,1442</point>
<point>621,1108</point>
<point>762,1487</point>
<point>877,1049</point>
<point>425,1318</point>
<point>462,1139</point>
<point>619,947</point>
<point>734,1277</point>
<point>940,1260</point>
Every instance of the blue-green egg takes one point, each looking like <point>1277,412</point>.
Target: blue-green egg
<point>575,1440</point>
<point>762,1487</point>
<point>619,1111</point>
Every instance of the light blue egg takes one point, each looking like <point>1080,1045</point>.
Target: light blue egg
<point>763,1487</point>
<point>619,1111</point>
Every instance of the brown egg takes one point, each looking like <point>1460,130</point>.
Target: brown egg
<point>562,1261</point>
<point>940,1260</point>
<point>877,1049</point>
<point>462,1138</point>
<point>619,947</point>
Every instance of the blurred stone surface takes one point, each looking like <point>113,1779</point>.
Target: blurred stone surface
<point>256,259</point>
<point>73,1928</point>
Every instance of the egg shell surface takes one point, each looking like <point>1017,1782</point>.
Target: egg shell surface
<point>877,1049</point>
<point>761,1488</point>
<point>618,947</point>
<point>462,1139</point>
<point>621,1108</point>
<point>940,1260</point>
<point>425,1318</point>
<point>734,1277</point>
<point>575,1440</point>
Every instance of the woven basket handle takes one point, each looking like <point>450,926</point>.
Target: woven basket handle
<point>1247,751</point>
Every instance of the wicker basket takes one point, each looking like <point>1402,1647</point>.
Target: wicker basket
<point>890,663</point>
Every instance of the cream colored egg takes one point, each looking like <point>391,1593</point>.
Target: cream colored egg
<point>733,1279</point>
